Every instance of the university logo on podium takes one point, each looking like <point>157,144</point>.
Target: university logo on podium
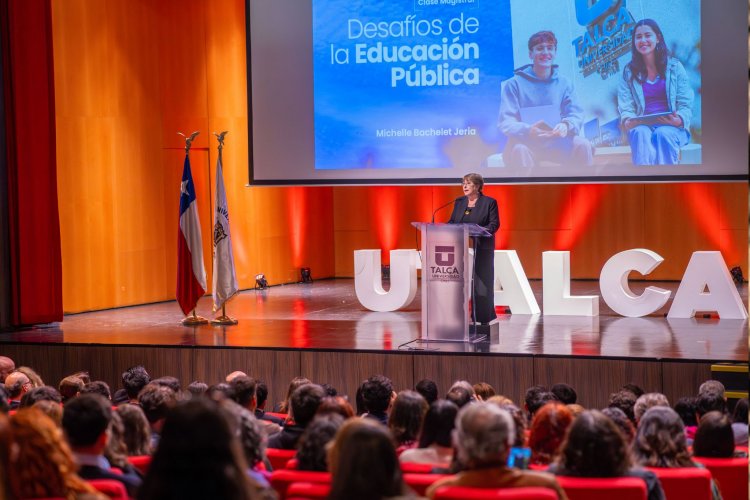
<point>444,266</point>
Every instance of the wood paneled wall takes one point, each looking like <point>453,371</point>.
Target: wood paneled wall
<point>129,74</point>
<point>593,378</point>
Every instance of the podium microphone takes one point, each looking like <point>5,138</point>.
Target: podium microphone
<point>442,207</point>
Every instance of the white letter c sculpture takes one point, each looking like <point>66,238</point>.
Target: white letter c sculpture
<point>369,286</point>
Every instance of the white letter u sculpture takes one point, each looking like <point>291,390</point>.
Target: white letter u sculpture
<point>369,286</point>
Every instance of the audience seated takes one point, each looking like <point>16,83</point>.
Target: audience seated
<point>624,400</point>
<point>34,378</point>
<point>284,406</point>
<point>739,422</point>
<point>311,447</point>
<point>405,419</point>
<point>377,396</point>
<point>16,385</point>
<point>42,464</point>
<point>134,379</point>
<point>243,392</point>
<point>304,403</point>
<point>52,409</point>
<point>70,387</point>
<point>155,400</point>
<point>428,389</point>
<point>712,386</point>
<point>251,439</point>
<point>7,365</point>
<point>460,396</point>
<point>687,408</point>
<point>482,439</point>
<point>86,422</point>
<point>595,447</point>
<point>167,381</point>
<point>660,442</point>
<point>197,388</point>
<point>714,437</point>
<point>116,451</point>
<point>547,432</point>
<point>564,393</point>
<point>363,463</point>
<point>98,387</point>
<point>44,393</point>
<point>622,422</point>
<point>209,465</point>
<point>483,390</point>
<point>435,444</point>
<point>336,405</point>
<point>646,401</point>
<point>536,397</point>
<point>136,430</point>
<point>261,396</point>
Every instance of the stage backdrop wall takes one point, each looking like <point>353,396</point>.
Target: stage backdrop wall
<point>130,74</point>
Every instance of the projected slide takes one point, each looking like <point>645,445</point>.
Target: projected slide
<point>424,91</point>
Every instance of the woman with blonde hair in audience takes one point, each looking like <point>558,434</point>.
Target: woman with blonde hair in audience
<point>41,461</point>
<point>548,431</point>
<point>364,464</point>
<point>34,377</point>
<point>136,430</point>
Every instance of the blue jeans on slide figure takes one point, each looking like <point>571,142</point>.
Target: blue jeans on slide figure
<point>657,144</point>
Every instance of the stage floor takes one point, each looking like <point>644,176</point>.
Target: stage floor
<point>326,316</point>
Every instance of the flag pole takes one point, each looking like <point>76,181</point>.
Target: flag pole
<point>223,319</point>
<point>194,319</point>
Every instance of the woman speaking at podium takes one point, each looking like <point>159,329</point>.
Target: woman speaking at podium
<point>476,208</point>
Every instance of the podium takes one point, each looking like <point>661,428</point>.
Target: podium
<point>447,280</point>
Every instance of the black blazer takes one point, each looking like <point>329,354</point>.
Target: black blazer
<point>483,214</point>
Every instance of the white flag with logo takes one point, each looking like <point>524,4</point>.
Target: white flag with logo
<point>225,279</point>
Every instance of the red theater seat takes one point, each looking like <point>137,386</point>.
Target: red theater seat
<point>291,464</point>
<point>279,458</point>
<point>113,489</point>
<point>140,462</point>
<point>282,479</point>
<point>730,475</point>
<point>415,468</point>
<point>463,493</point>
<point>420,482</point>
<point>609,488</point>
<point>684,482</point>
<point>308,491</point>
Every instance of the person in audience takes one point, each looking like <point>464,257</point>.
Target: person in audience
<point>284,406</point>
<point>714,437</point>
<point>116,451</point>
<point>466,385</point>
<point>482,439</point>
<point>739,422</point>
<point>42,463</point>
<point>460,396</point>
<point>251,438</point>
<point>359,400</point>
<point>363,463</point>
<point>234,375</point>
<point>535,398</point>
<point>624,400</point>
<point>635,389</point>
<point>712,386</point>
<point>646,401</point>
<point>36,380</point>
<point>405,419</point>
<point>16,385</point>
<point>378,395</point>
<point>44,393</point>
<point>564,393</point>
<point>519,422</point>
<point>98,387</point>
<point>434,446</point>
<point>136,430</point>
<point>196,388</point>
<point>304,403</point>
<point>70,387</point>
<point>208,465</point>
<point>311,448</point>
<point>576,409</point>
<point>168,381</point>
<point>261,396</point>
<point>595,447</point>
<point>7,366</point>
<point>50,408</point>
<point>134,379</point>
<point>86,422</point>
<point>483,390</point>
<point>500,400</point>
<point>687,408</point>
<point>547,432</point>
<point>155,400</point>
<point>219,391</point>
<point>336,405</point>
<point>621,420</point>
<point>83,375</point>
<point>660,442</point>
<point>428,389</point>
<point>710,401</point>
<point>4,404</point>
<point>329,390</point>
<point>243,393</point>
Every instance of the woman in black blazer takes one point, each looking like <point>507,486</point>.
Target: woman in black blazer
<point>476,208</point>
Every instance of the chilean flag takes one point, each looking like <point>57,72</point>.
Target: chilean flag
<point>191,274</point>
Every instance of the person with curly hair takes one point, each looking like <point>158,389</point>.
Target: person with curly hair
<point>595,447</point>
<point>311,447</point>
<point>42,462</point>
<point>547,432</point>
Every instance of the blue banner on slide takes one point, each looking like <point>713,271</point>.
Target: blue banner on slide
<point>408,83</point>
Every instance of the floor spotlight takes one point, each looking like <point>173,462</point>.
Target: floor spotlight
<point>260,281</point>
<point>306,275</point>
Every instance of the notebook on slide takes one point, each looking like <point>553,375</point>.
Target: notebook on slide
<point>549,114</point>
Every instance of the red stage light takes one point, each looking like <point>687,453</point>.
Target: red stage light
<point>577,213</point>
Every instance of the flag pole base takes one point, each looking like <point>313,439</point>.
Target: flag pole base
<point>224,320</point>
<point>194,320</point>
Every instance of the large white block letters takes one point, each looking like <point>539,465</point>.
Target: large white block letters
<point>369,286</point>
<point>556,297</point>
<point>616,292</point>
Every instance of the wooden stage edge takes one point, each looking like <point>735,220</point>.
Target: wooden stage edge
<point>320,331</point>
